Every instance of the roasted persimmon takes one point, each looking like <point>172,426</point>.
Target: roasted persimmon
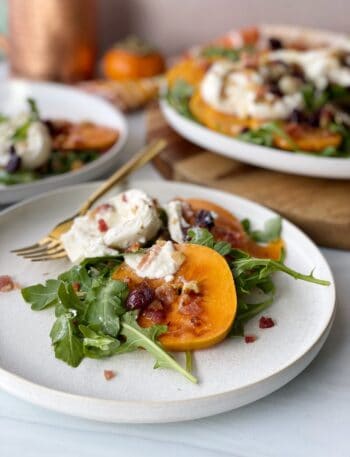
<point>189,70</point>
<point>215,120</point>
<point>208,322</point>
<point>83,135</point>
<point>132,59</point>
<point>309,139</point>
<point>229,228</point>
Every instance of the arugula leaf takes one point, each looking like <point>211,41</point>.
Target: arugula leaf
<point>221,51</point>
<point>97,345</point>
<point>271,232</point>
<point>178,96</point>
<point>198,235</point>
<point>67,345</point>
<point>265,135</point>
<point>77,274</point>
<point>41,296</point>
<point>18,177</point>
<point>68,298</point>
<point>34,112</point>
<point>251,271</point>
<point>106,305</point>
<point>147,338</point>
<point>246,312</point>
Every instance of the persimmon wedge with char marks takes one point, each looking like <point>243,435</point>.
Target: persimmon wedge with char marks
<point>195,321</point>
<point>228,228</point>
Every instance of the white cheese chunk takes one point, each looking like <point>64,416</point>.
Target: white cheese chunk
<point>176,222</point>
<point>160,261</point>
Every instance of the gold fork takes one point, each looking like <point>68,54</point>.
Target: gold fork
<point>50,247</point>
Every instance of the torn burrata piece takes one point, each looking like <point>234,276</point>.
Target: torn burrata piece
<point>162,260</point>
<point>127,219</point>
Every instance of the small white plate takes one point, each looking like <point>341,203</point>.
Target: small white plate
<point>59,101</point>
<point>261,156</point>
<point>231,374</point>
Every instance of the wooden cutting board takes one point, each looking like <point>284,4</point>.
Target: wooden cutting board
<point>320,207</point>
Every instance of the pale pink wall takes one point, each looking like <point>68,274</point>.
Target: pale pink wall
<point>174,24</point>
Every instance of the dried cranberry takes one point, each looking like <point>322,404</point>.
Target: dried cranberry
<point>12,149</point>
<point>102,225</point>
<point>275,43</point>
<point>14,163</point>
<point>204,219</point>
<point>249,338</point>
<point>266,322</point>
<point>140,297</point>
<point>297,116</point>
<point>274,89</point>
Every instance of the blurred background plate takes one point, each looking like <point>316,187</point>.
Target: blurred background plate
<point>57,101</point>
<point>262,156</point>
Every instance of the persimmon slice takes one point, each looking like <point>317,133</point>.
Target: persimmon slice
<point>229,228</point>
<point>210,321</point>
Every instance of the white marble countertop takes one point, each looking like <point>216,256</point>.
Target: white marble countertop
<point>308,417</point>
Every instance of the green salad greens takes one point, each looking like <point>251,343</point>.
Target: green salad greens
<point>92,319</point>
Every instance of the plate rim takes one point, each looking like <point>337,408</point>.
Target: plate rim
<point>195,132</point>
<point>105,157</point>
<point>34,389</point>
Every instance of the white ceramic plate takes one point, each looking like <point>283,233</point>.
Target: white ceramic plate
<point>231,374</point>
<point>60,101</point>
<point>261,156</point>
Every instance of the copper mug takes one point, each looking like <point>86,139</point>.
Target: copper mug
<point>52,39</point>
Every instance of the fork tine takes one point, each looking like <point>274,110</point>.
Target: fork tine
<point>27,248</point>
<point>55,257</point>
<point>47,253</point>
<point>41,249</point>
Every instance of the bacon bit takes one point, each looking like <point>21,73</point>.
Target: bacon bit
<point>266,322</point>
<point>166,294</point>
<point>149,256</point>
<point>124,198</point>
<point>249,338</point>
<point>6,283</point>
<point>105,207</point>
<point>133,248</point>
<point>102,225</point>
<point>190,305</point>
<point>76,286</point>
<point>109,374</point>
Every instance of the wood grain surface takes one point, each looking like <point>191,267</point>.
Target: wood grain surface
<point>320,207</point>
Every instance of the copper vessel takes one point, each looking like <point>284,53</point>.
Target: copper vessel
<point>52,39</point>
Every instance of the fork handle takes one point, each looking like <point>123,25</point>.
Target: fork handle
<point>137,161</point>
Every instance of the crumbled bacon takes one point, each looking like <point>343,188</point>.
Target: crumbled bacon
<point>76,286</point>
<point>235,237</point>
<point>155,312</point>
<point>6,283</point>
<point>190,305</point>
<point>133,247</point>
<point>266,322</point>
<point>104,207</point>
<point>166,294</point>
<point>124,197</point>
<point>102,225</point>
<point>249,338</point>
<point>109,374</point>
